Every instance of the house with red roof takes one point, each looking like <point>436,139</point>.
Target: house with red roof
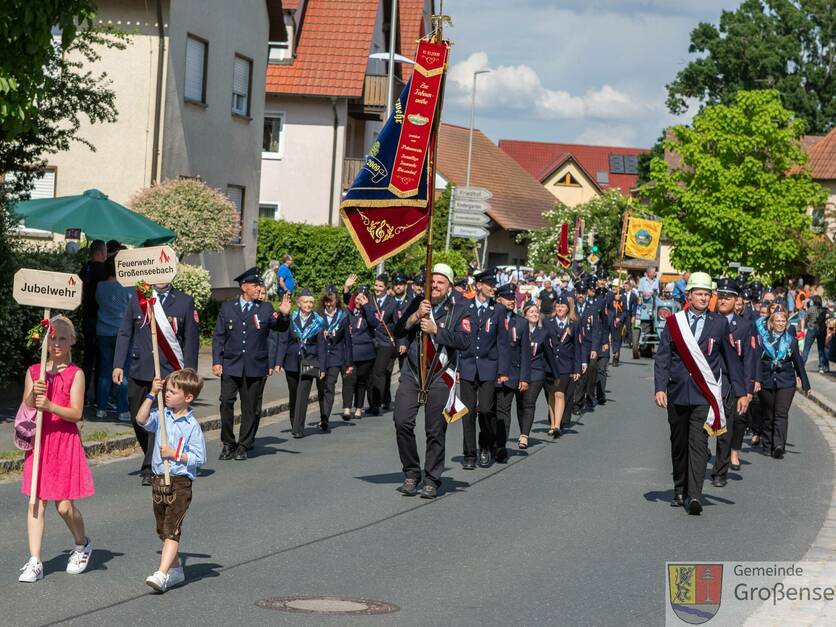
<point>325,100</point>
<point>576,173</point>
<point>821,152</point>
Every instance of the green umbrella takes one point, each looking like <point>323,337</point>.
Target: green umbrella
<point>96,215</point>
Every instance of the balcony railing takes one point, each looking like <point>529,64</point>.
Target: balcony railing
<point>374,95</point>
<point>350,169</point>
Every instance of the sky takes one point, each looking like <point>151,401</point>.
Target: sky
<point>574,71</point>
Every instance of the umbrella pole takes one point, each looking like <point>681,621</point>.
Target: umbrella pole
<point>160,403</point>
<point>36,450</point>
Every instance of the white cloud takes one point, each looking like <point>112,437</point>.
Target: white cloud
<point>519,87</point>
<point>608,135</point>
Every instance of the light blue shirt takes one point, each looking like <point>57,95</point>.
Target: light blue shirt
<point>244,303</point>
<point>194,445</point>
<point>646,285</point>
<point>700,323</point>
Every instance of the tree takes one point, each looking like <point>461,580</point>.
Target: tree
<point>26,51</point>
<point>604,215</point>
<point>742,193</point>
<point>786,45</point>
<point>824,265</point>
<point>203,217</point>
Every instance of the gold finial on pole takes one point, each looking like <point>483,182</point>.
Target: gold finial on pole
<point>438,22</point>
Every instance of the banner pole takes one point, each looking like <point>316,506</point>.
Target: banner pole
<point>160,402</point>
<point>624,233</point>
<point>36,450</point>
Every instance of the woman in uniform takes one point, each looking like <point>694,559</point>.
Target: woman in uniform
<point>338,355</point>
<point>780,364</point>
<point>564,358</point>
<point>361,328</point>
<point>538,342</point>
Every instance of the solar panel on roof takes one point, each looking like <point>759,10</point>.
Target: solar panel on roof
<point>616,163</point>
<point>631,164</point>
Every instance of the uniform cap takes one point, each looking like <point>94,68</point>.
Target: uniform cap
<point>506,291</point>
<point>383,277</point>
<point>486,276</point>
<point>398,278</point>
<point>699,281</point>
<point>305,292</point>
<point>728,286</point>
<point>249,276</point>
<point>562,299</point>
<point>418,279</point>
<point>444,270</point>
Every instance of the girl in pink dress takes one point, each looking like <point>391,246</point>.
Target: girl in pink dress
<point>64,475</point>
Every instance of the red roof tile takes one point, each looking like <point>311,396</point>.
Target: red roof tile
<point>823,157</point>
<point>518,200</point>
<point>332,51</point>
<point>411,28</point>
<point>540,159</point>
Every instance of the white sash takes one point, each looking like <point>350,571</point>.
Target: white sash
<point>164,327</point>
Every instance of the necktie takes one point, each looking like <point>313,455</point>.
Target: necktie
<point>694,320</point>
<point>162,296</point>
<point>246,307</point>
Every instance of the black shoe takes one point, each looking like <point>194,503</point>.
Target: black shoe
<point>387,407</point>
<point>590,406</point>
<point>556,434</point>
<point>678,500</point>
<point>347,416</point>
<point>227,452</point>
<point>735,466</point>
<point>241,453</point>
<point>719,482</point>
<point>373,411</point>
<point>501,456</point>
<point>694,507</point>
<point>409,487</point>
<point>484,459</point>
<point>577,411</point>
<point>297,436</point>
<point>778,453</point>
<point>146,479</point>
<point>602,401</point>
<point>469,463</point>
<point>323,425</point>
<point>428,491</point>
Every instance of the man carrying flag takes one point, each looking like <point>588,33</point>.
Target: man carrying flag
<point>178,338</point>
<point>693,363</point>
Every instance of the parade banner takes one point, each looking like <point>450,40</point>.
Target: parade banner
<point>387,207</point>
<point>642,238</point>
<point>563,246</point>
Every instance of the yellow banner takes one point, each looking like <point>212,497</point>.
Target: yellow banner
<point>642,238</point>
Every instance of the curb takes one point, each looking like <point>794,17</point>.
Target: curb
<point>822,402</point>
<point>125,442</point>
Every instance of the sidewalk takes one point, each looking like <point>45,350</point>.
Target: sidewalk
<point>823,385</point>
<point>103,435</point>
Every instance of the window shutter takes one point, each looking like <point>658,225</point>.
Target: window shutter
<point>241,76</point>
<point>195,60</point>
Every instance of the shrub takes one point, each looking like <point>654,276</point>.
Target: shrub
<point>203,218</point>
<point>194,281</point>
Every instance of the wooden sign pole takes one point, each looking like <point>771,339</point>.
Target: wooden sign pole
<point>160,402</point>
<point>36,450</point>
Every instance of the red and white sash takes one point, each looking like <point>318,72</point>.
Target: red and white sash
<point>454,408</point>
<point>697,365</point>
<point>166,338</point>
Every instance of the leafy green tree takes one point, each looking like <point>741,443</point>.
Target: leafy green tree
<point>824,265</point>
<point>26,51</point>
<point>742,193</point>
<point>786,45</point>
<point>604,215</point>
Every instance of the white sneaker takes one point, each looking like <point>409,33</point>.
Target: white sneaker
<point>101,413</point>
<point>32,571</point>
<point>125,416</point>
<point>79,558</point>
<point>176,577</point>
<point>158,581</point>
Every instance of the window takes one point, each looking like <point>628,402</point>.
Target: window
<point>269,210</point>
<point>236,195</point>
<point>272,146</point>
<point>631,164</point>
<point>282,50</point>
<point>196,60</point>
<point>818,221</point>
<point>603,177</point>
<point>567,180</point>
<point>43,186</point>
<point>241,74</point>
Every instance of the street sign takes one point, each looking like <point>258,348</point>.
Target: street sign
<point>154,265</point>
<point>470,206</point>
<point>593,260</point>
<point>471,193</point>
<point>470,232</point>
<point>471,219</point>
<point>50,290</point>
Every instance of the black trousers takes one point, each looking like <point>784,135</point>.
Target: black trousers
<point>326,390</point>
<point>756,415</point>
<point>600,391</point>
<point>725,442</point>
<point>356,384</point>
<point>387,384</point>
<point>479,397</point>
<point>776,409</point>
<point>435,427</point>
<point>738,426</point>
<point>585,386</point>
<point>504,397</point>
<point>566,418</point>
<point>300,391</point>
<point>383,356</point>
<point>251,391</point>
<point>689,448</point>
<point>529,401</point>
<point>136,394</point>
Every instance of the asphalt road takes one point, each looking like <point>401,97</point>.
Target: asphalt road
<point>574,532</point>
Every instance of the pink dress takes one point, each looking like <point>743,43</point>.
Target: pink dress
<point>64,472</point>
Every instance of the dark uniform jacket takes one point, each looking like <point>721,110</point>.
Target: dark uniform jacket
<point>620,319</point>
<point>672,376</point>
<point>519,360</point>
<point>292,348</point>
<point>538,348</point>
<point>776,376</point>
<point>743,341</point>
<point>487,356</point>
<point>362,326</point>
<point>241,340</point>
<point>338,347</point>
<point>589,327</point>
<point>455,333</point>
<point>400,307</point>
<point>135,335</point>
<point>385,315</point>
<point>606,320</point>
<point>566,349</point>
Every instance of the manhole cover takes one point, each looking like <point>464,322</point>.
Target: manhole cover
<point>327,605</point>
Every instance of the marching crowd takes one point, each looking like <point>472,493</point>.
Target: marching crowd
<point>471,349</point>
